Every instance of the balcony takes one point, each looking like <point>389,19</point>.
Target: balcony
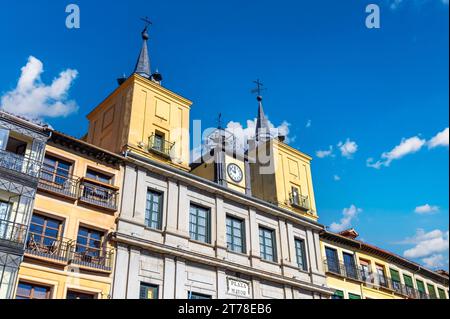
<point>60,185</point>
<point>19,164</point>
<point>12,234</point>
<point>94,260</point>
<point>47,248</point>
<point>399,288</point>
<point>300,201</point>
<point>160,146</point>
<point>342,270</point>
<point>97,195</point>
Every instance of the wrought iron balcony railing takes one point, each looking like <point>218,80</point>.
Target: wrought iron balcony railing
<point>160,146</point>
<point>97,195</point>
<point>93,259</point>
<point>13,234</point>
<point>20,164</point>
<point>343,270</point>
<point>300,201</point>
<point>51,182</point>
<point>371,279</point>
<point>46,247</point>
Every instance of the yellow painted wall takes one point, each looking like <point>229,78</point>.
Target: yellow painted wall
<point>136,110</point>
<point>291,168</point>
<point>73,215</point>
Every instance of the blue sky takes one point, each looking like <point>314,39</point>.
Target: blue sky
<point>371,88</point>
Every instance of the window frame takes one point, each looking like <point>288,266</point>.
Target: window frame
<point>262,243</point>
<point>199,296</point>
<point>32,291</point>
<point>4,137</point>
<point>194,235</point>
<point>101,250</point>
<point>303,265</point>
<point>54,170</point>
<point>93,171</point>
<point>147,286</point>
<point>43,235</point>
<point>231,245</point>
<point>149,213</point>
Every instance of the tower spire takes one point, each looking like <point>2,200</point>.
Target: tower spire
<point>143,64</point>
<point>262,133</point>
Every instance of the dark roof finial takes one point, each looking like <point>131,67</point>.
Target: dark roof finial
<point>262,133</point>
<point>143,64</point>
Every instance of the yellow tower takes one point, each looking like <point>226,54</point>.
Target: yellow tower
<point>280,174</point>
<point>142,116</point>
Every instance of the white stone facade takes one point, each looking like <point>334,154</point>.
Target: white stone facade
<point>169,260</point>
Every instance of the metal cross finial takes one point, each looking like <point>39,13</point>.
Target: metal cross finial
<point>259,87</point>
<point>147,22</point>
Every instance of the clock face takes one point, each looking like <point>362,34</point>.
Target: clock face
<point>235,173</point>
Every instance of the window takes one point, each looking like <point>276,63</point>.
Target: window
<point>300,253</point>
<point>99,177</point>
<point>158,143</point>
<point>267,244</point>
<point>381,276</point>
<point>30,291</point>
<point>332,260</point>
<point>4,210</point>
<point>194,295</point>
<point>442,293</point>
<point>338,294</point>
<point>409,285</point>
<point>148,291</point>
<point>4,135</point>
<point>421,289</point>
<point>79,295</point>
<point>200,224</point>
<point>396,283</point>
<point>16,146</point>
<point>295,195</point>
<point>365,271</point>
<point>235,235</point>
<point>4,219</point>
<point>89,242</point>
<point>431,291</point>
<point>44,231</point>
<point>350,266</point>
<point>353,296</point>
<point>153,210</point>
<point>55,170</point>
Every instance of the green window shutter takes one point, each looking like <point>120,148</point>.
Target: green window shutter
<point>420,286</point>
<point>442,293</point>
<point>408,281</point>
<point>431,291</point>
<point>339,294</point>
<point>395,275</point>
<point>353,296</point>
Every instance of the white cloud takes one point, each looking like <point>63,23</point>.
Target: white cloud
<point>308,124</point>
<point>441,139</point>
<point>325,153</point>
<point>337,178</point>
<point>407,146</point>
<point>349,214</point>
<point>427,244</point>
<point>34,99</point>
<point>244,134</point>
<point>426,209</point>
<point>348,148</point>
<point>395,4</point>
<point>434,261</point>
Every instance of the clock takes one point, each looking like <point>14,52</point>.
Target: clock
<point>235,173</point>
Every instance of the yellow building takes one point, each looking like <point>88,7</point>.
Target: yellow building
<point>157,119</point>
<point>280,174</point>
<point>68,254</point>
<point>357,270</point>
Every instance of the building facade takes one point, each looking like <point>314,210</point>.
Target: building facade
<point>68,254</point>
<point>357,270</point>
<point>22,145</point>
<point>180,235</point>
